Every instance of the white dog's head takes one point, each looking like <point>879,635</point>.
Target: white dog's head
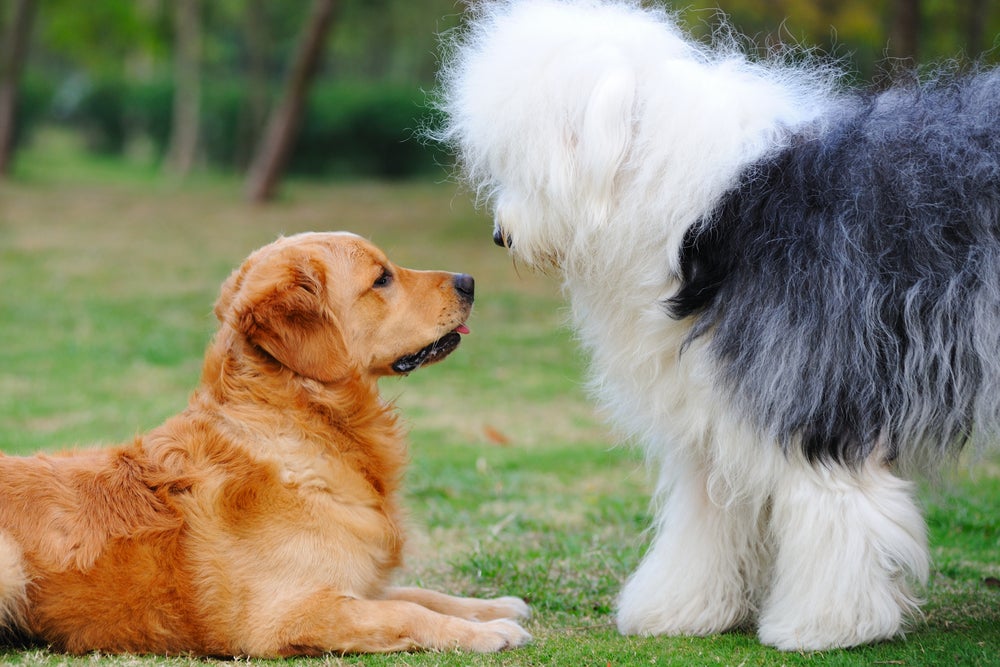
<point>589,126</point>
<point>540,99</point>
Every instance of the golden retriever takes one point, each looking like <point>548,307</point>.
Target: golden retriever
<point>263,520</point>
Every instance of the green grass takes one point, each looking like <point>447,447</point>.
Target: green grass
<point>108,277</point>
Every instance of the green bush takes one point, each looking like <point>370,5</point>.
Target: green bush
<point>101,116</point>
<point>361,130</point>
<point>33,106</point>
<point>148,112</point>
<point>110,112</point>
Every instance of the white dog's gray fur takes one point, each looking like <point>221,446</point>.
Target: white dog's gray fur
<point>601,135</point>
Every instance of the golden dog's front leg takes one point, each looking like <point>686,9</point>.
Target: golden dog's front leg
<point>473,609</point>
<point>331,622</point>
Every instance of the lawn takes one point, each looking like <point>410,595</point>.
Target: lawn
<point>108,278</point>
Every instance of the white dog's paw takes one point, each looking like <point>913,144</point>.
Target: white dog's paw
<point>878,613</point>
<point>663,599</point>
<point>673,620</point>
<point>821,634</point>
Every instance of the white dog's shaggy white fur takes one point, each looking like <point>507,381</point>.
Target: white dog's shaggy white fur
<point>612,147</point>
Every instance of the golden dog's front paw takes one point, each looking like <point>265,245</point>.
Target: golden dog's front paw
<point>505,607</point>
<point>498,635</point>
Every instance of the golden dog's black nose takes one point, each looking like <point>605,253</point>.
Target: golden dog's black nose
<point>465,285</point>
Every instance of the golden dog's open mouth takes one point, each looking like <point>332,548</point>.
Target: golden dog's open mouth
<point>433,353</point>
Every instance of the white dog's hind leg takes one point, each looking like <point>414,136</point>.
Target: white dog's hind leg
<point>699,575</point>
<point>847,544</point>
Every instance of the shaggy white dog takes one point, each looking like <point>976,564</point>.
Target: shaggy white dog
<point>790,293</point>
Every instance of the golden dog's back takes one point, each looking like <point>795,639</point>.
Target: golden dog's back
<point>99,513</point>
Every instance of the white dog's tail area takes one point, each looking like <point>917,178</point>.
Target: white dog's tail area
<point>13,584</point>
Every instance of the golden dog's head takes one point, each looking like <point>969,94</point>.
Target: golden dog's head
<point>326,305</point>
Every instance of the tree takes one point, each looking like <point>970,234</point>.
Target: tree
<point>13,53</point>
<point>257,39</point>
<point>904,33</point>
<point>187,87</point>
<point>974,28</point>
<point>279,137</point>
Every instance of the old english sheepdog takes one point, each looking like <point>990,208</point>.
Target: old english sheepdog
<point>790,292</point>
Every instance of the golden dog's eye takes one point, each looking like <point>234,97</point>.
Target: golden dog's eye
<point>383,280</point>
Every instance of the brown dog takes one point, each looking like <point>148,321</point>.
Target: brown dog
<point>262,520</point>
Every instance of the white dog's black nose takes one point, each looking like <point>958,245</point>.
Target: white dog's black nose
<point>465,285</point>
<point>500,238</point>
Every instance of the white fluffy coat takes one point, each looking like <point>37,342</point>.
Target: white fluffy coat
<point>600,135</point>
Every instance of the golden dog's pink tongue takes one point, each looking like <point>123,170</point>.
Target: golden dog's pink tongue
<point>462,329</point>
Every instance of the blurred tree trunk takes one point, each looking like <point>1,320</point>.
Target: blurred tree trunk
<point>975,20</point>
<point>904,31</point>
<point>254,113</point>
<point>187,87</point>
<point>13,54</point>
<point>279,137</point>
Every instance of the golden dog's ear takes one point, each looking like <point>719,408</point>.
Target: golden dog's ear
<point>279,304</point>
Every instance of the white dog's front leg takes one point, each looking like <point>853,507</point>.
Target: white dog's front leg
<point>699,575</point>
<point>848,541</point>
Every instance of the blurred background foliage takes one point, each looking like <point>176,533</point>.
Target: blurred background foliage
<point>106,69</point>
